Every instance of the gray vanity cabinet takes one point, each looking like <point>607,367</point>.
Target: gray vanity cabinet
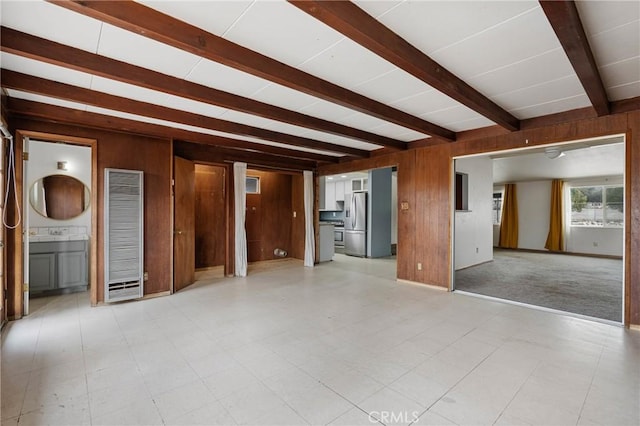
<point>58,265</point>
<point>42,272</point>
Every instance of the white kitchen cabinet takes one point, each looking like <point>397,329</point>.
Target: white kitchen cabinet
<point>360,184</point>
<point>330,195</point>
<point>339,191</point>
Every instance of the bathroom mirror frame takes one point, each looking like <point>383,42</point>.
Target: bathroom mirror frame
<point>49,197</point>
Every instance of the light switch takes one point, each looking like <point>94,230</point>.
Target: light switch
<point>294,214</point>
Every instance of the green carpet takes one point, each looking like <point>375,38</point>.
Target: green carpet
<point>578,284</point>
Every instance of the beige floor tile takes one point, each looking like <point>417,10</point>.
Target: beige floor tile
<point>293,345</point>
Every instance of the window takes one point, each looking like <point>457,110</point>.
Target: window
<point>497,207</point>
<point>252,184</point>
<point>462,189</point>
<point>600,206</point>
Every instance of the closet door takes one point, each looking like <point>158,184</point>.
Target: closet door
<point>184,243</point>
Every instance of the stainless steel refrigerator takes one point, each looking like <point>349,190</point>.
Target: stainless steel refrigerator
<point>355,226</point>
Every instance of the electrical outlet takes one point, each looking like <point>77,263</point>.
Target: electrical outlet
<point>419,266</point>
<point>595,244</point>
<point>145,277</point>
<point>477,250</point>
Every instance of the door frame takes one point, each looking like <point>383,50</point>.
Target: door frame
<point>17,238</point>
<point>229,262</point>
<point>229,240</point>
<point>626,173</point>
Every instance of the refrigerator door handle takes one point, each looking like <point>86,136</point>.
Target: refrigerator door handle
<point>353,211</point>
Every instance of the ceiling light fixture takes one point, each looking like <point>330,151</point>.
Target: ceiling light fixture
<point>553,153</point>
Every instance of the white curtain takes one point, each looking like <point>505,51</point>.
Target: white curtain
<point>240,206</point>
<point>309,235</point>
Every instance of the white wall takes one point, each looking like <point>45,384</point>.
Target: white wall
<point>474,228</point>
<point>43,158</point>
<point>534,203</point>
<point>608,241</point>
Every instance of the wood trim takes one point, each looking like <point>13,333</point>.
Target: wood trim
<point>150,23</point>
<point>29,46</point>
<point>565,20</point>
<point>628,243</point>
<point>15,274</point>
<point>625,105</point>
<point>27,83</point>
<point>371,34</point>
<point>214,154</point>
<point>172,209</point>
<point>233,147</point>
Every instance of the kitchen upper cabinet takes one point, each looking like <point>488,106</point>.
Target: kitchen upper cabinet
<point>330,196</point>
<point>340,191</point>
<point>359,184</point>
<point>333,196</point>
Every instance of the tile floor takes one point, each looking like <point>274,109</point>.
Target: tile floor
<point>339,344</point>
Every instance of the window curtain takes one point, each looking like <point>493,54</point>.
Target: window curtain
<point>309,234</point>
<point>240,207</point>
<point>509,221</point>
<point>555,238</point>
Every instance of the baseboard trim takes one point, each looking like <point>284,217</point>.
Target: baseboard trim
<point>435,287</point>
<point>634,327</point>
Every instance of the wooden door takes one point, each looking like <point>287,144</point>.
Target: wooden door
<point>211,216</point>
<point>253,226</point>
<point>184,224</point>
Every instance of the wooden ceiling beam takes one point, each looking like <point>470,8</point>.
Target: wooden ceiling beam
<point>215,154</point>
<point>359,26</point>
<point>150,23</point>
<point>565,21</point>
<point>29,46</point>
<point>27,83</point>
<point>241,150</point>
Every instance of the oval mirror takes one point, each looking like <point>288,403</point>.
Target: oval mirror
<point>59,197</point>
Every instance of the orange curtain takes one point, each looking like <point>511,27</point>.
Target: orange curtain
<point>509,221</point>
<point>555,239</point>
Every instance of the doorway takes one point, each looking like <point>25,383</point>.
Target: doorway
<point>55,238</point>
<point>210,221</point>
<point>585,276</point>
<point>381,224</point>
<point>201,222</point>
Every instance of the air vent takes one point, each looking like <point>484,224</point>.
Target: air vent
<point>123,235</point>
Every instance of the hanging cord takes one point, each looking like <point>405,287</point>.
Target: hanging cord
<point>11,176</point>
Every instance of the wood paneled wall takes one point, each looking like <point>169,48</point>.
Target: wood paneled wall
<point>269,225</point>
<point>210,216</point>
<point>124,151</point>
<point>425,183</point>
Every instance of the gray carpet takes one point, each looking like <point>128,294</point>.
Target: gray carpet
<point>578,284</point>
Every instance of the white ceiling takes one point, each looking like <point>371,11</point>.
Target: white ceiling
<point>585,159</point>
<point>507,50</point>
